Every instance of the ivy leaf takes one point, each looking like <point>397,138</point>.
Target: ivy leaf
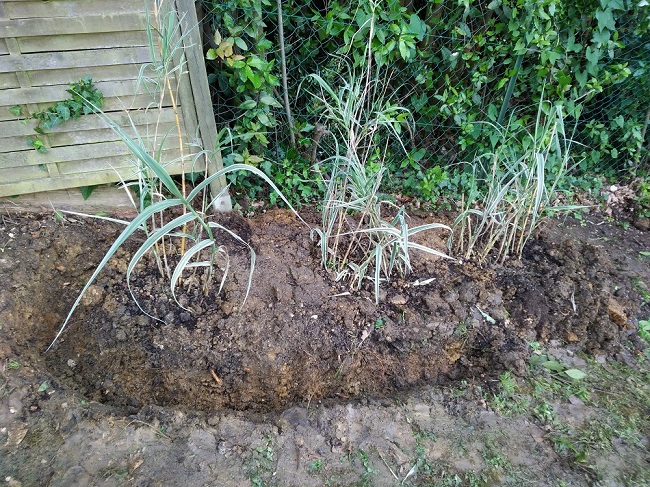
<point>601,37</point>
<point>76,107</point>
<point>86,191</point>
<point>617,4</point>
<point>592,55</point>
<point>37,144</point>
<point>605,19</point>
<point>575,374</point>
<point>63,111</point>
<point>581,78</point>
<point>211,55</point>
<point>266,166</point>
<point>16,111</point>
<point>254,160</point>
<point>551,56</point>
<point>417,27</point>
<point>563,80</point>
<point>43,387</point>
<point>571,44</point>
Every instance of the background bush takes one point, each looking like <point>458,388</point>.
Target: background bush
<point>450,64</point>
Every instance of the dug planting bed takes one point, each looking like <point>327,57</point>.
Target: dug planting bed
<point>227,379</point>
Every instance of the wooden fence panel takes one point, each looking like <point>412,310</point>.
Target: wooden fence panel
<point>90,24</point>
<point>71,75</point>
<point>61,60</point>
<point>46,46</point>
<point>73,42</point>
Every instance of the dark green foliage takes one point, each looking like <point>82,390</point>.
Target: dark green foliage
<point>450,64</point>
<point>84,97</point>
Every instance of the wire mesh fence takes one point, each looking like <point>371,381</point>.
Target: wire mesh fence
<point>464,70</point>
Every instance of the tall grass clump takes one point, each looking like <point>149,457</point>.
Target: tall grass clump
<point>174,219</point>
<point>363,235</point>
<point>514,188</point>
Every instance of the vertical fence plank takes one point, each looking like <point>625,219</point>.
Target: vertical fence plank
<point>202,99</point>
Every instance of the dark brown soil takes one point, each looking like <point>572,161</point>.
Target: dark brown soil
<point>300,338</point>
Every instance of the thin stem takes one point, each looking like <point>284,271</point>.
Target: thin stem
<point>283,63</point>
<point>182,155</point>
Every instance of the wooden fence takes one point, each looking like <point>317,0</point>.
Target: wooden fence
<point>47,45</point>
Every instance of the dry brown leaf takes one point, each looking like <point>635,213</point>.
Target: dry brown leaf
<point>17,435</point>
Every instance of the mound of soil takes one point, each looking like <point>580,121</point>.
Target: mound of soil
<point>300,337</point>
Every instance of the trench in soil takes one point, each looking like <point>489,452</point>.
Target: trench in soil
<point>297,339</point>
